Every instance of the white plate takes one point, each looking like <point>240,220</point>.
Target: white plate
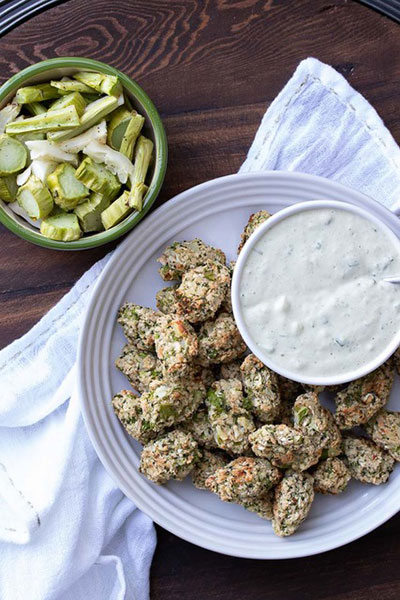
<point>216,212</point>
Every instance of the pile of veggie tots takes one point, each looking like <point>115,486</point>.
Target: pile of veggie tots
<point>242,431</point>
<point>72,157</point>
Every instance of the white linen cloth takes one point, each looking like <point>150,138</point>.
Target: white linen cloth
<point>66,531</point>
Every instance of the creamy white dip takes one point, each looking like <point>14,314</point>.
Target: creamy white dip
<point>312,294</point>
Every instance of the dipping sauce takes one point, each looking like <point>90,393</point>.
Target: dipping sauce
<point>312,294</point>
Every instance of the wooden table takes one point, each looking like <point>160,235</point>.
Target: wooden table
<point>212,67</point>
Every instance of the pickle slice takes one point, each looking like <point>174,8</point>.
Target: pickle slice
<point>36,93</point>
<point>97,178</point>
<point>35,108</point>
<point>8,188</point>
<point>117,127</point>
<point>63,227</point>
<point>104,84</point>
<point>72,99</point>
<point>66,86</point>
<point>30,136</point>
<point>143,155</point>
<point>117,211</point>
<point>67,190</point>
<point>35,198</point>
<point>94,113</point>
<point>89,98</point>
<point>89,213</point>
<point>63,118</point>
<point>131,135</point>
<point>13,155</point>
<point>136,196</point>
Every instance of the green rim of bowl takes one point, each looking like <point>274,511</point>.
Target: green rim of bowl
<point>160,138</point>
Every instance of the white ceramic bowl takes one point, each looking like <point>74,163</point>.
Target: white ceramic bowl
<point>270,360</point>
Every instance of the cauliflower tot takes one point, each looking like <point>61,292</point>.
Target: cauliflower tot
<point>183,256</point>
<point>220,341</point>
<point>261,387</point>
<point>172,456</point>
<point>292,502</point>
<point>229,416</point>
<point>331,476</point>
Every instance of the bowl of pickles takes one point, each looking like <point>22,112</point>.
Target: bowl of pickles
<point>83,153</point>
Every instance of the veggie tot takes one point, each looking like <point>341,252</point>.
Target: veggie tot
<point>104,84</point>
<point>293,498</point>
<point>67,190</point>
<point>89,212</point>
<point>93,114</point>
<point>97,178</point>
<point>117,211</point>
<point>36,93</point>
<point>13,155</point>
<point>65,118</point>
<point>63,227</point>
<point>35,198</point>
<point>8,188</point>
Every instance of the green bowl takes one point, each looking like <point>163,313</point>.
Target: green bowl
<point>55,68</point>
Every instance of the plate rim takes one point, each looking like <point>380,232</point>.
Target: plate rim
<point>191,537</point>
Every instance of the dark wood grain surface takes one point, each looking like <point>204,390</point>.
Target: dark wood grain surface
<point>212,67</point>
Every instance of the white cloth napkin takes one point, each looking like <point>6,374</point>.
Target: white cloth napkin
<point>66,531</point>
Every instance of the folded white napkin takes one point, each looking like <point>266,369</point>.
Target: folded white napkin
<point>66,531</point>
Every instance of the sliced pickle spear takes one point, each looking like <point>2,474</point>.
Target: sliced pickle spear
<point>72,99</point>
<point>94,113</point>
<point>89,213</point>
<point>36,93</point>
<point>104,84</point>
<point>116,212</point>
<point>63,227</point>
<point>67,190</point>
<point>117,126</point>
<point>8,188</point>
<point>97,178</point>
<point>64,118</point>
<point>136,194</point>
<point>35,198</point>
<point>131,135</point>
<point>143,155</point>
<point>13,155</point>
<point>66,86</point>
